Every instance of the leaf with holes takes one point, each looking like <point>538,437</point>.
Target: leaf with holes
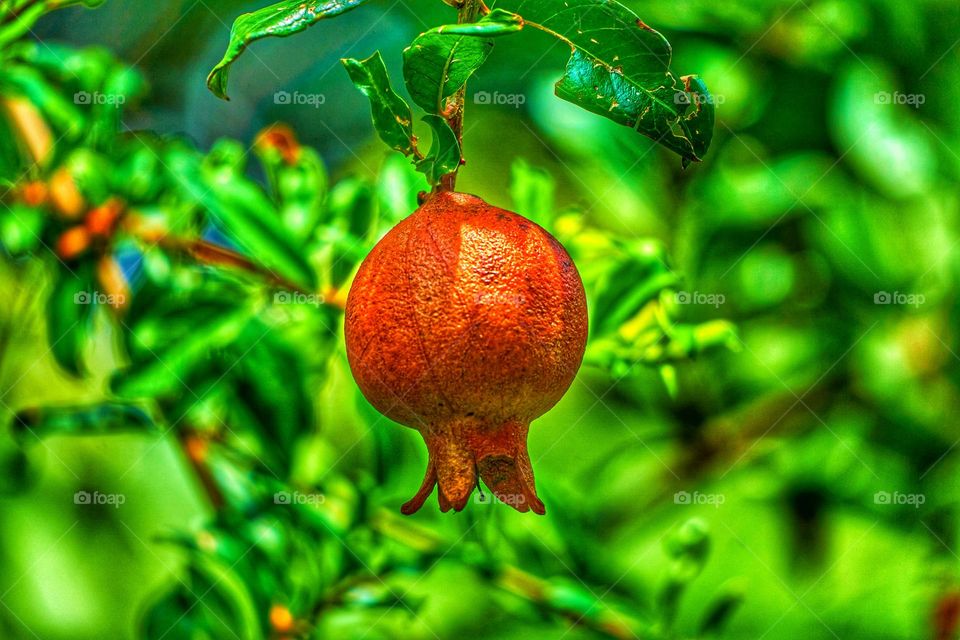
<point>620,68</point>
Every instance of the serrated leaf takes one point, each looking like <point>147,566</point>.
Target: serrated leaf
<point>281,19</point>
<point>444,156</point>
<point>620,68</point>
<point>392,117</point>
<point>440,61</point>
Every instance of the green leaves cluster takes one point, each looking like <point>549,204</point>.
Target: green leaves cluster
<point>619,68</point>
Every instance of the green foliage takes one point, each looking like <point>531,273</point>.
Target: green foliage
<point>280,20</point>
<point>392,118</point>
<point>619,68</point>
<point>444,155</point>
<point>439,62</point>
<point>69,313</point>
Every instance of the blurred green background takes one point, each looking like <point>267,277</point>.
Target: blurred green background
<point>798,484</point>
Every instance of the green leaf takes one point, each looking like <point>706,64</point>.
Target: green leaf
<point>269,390</point>
<point>532,191</point>
<point>721,610</point>
<point>297,179</point>
<point>20,227</point>
<point>397,188</point>
<point>17,20</point>
<point>444,156</point>
<point>167,369</point>
<point>12,161</point>
<point>69,310</point>
<point>627,286</point>
<point>440,61</point>
<point>212,602</point>
<point>353,219</point>
<point>60,111</point>
<point>620,68</point>
<point>83,420</point>
<point>392,117</point>
<point>281,19</point>
<point>496,23</point>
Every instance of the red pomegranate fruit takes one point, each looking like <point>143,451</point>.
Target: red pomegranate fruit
<point>466,322</point>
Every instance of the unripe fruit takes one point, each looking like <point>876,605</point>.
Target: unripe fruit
<point>466,322</point>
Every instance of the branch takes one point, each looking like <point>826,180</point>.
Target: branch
<point>214,255</point>
<point>467,11</point>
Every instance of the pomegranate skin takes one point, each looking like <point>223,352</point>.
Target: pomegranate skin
<point>466,322</point>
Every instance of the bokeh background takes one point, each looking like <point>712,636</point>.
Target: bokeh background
<point>796,481</point>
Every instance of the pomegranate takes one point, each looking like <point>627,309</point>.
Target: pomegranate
<point>466,322</point>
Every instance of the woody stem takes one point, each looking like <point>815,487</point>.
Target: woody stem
<point>467,11</point>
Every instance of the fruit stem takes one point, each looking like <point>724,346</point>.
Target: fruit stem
<point>467,11</point>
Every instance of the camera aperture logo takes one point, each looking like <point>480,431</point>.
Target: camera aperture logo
<point>297,297</point>
<point>96,297</point>
<point>687,498</point>
<point>515,100</point>
<point>896,498</point>
<point>914,100</point>
<point>512,499</point>
<point>97,98</point>
<point>297,497</point>
<point>297,98</point>
<point>95,497</point>
<point>697,297</point>
<point>899,298</point>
